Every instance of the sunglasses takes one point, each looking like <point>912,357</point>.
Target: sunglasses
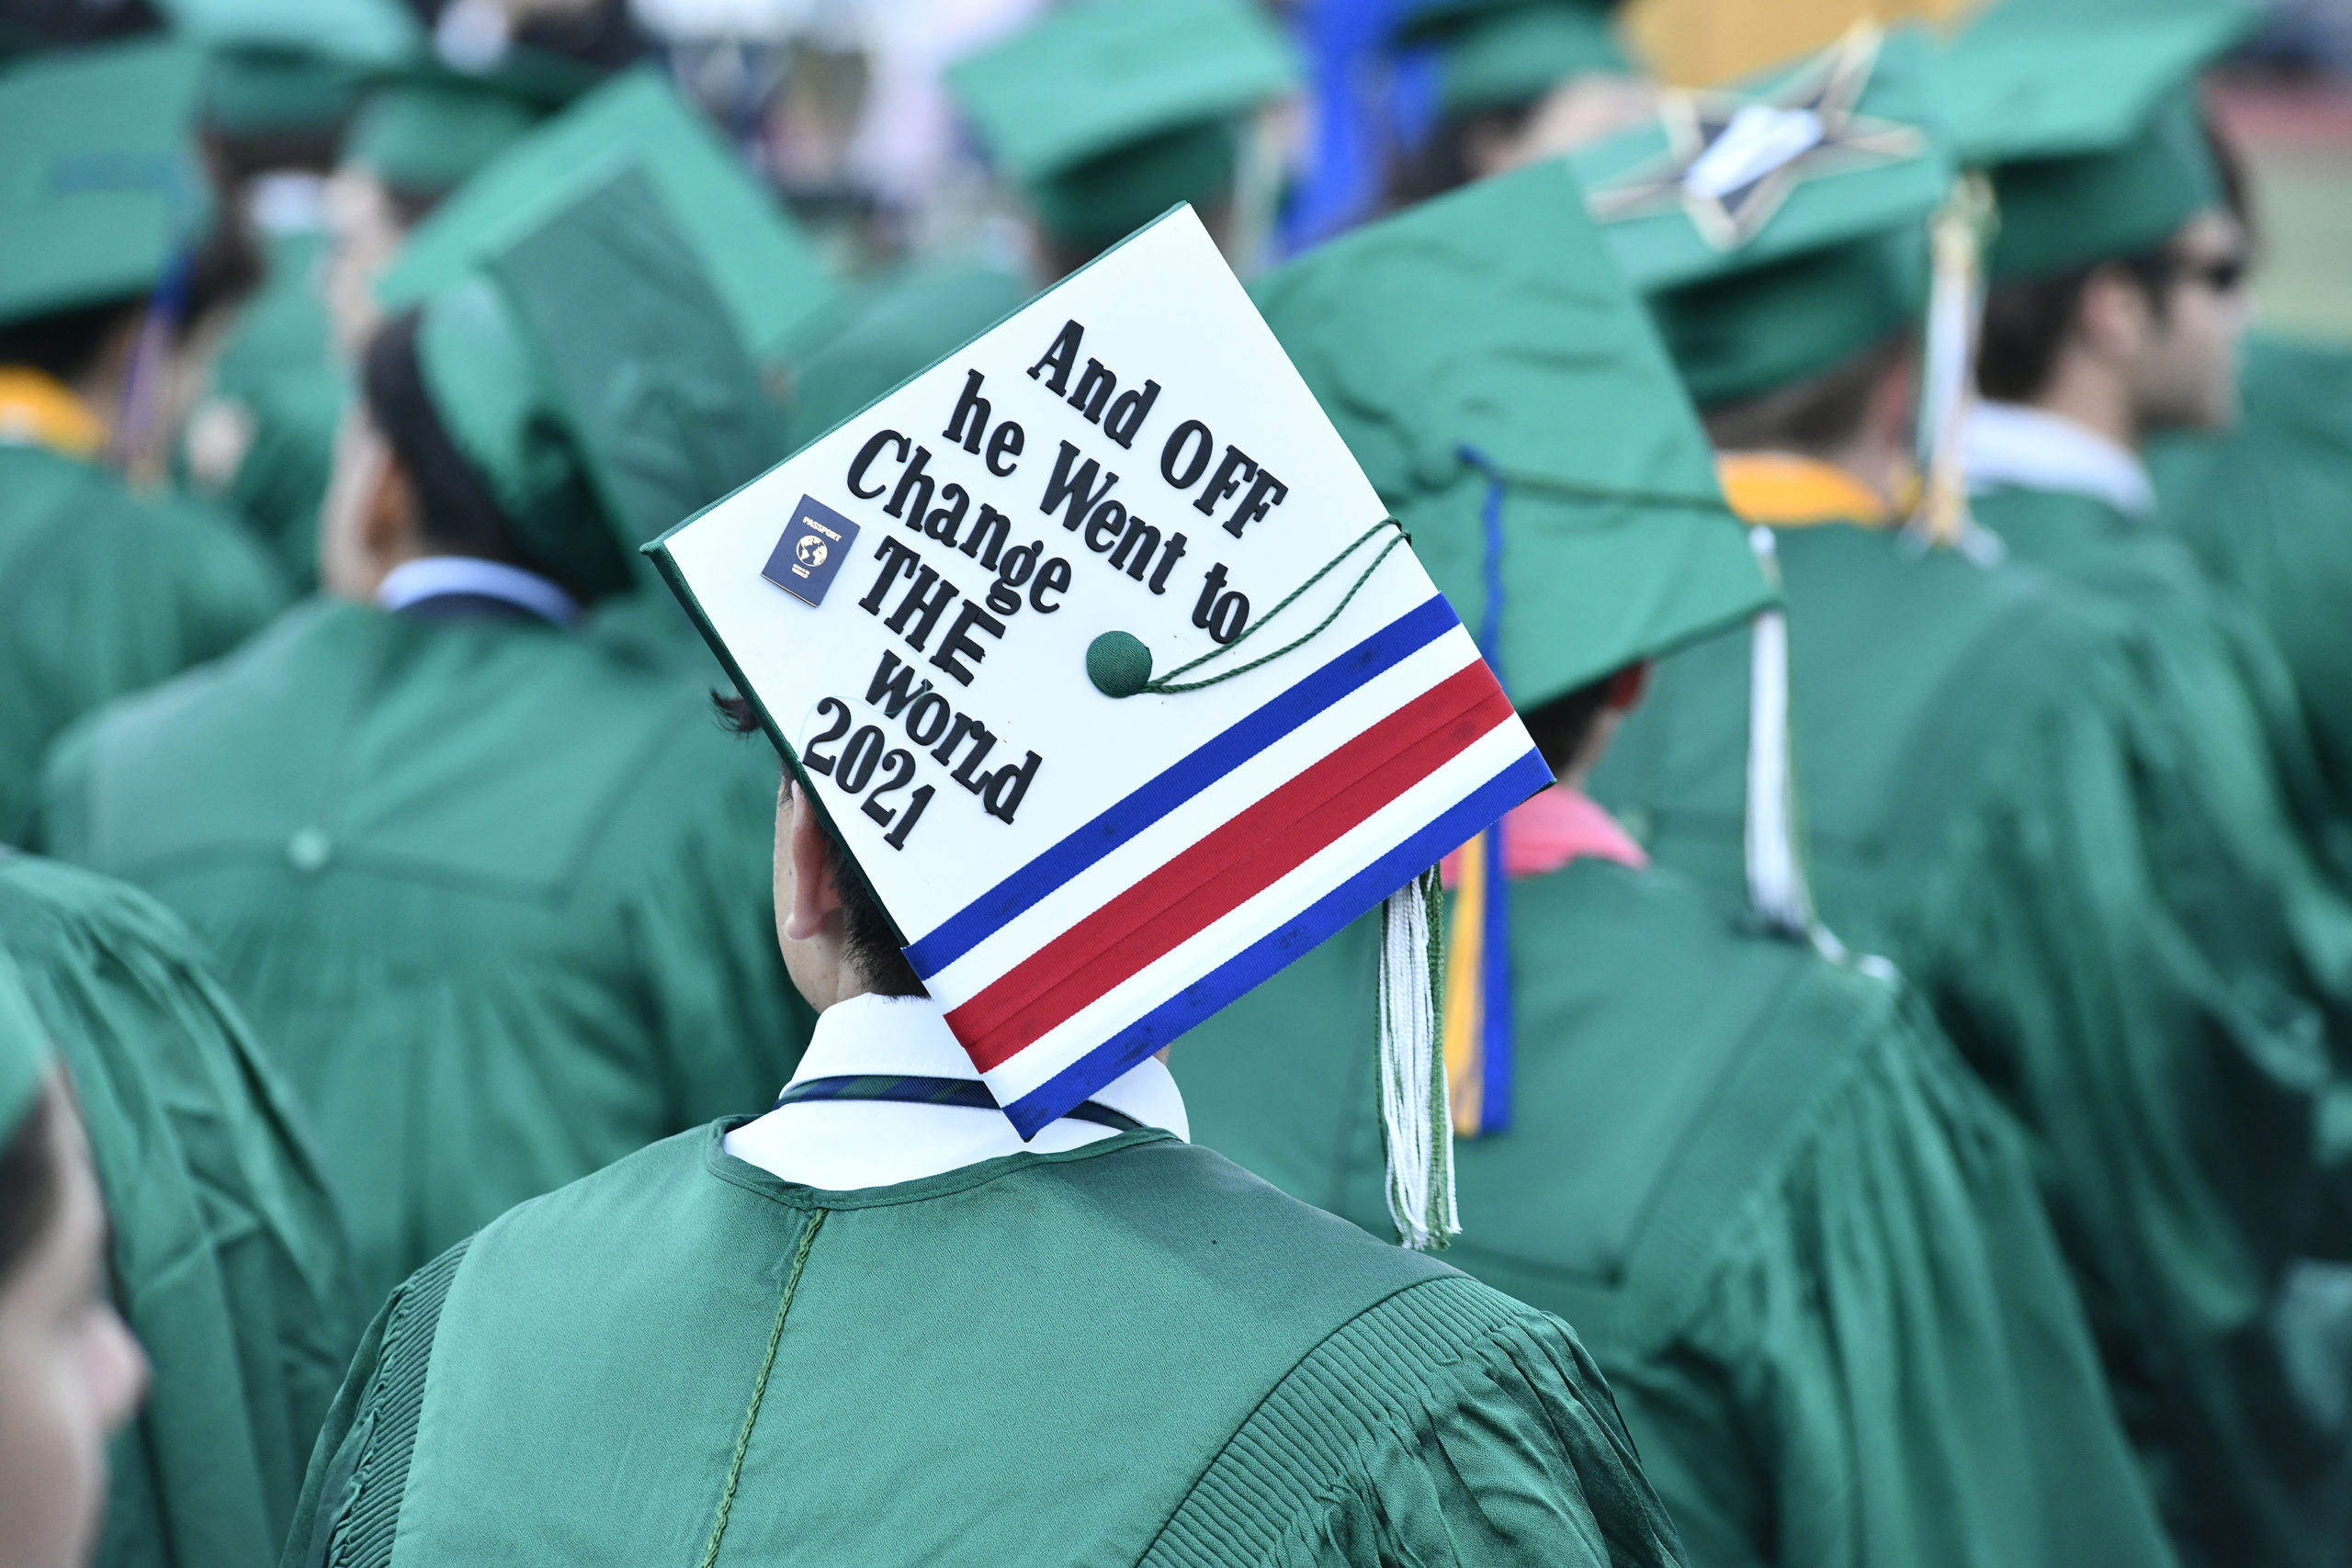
<point>2221,275</point>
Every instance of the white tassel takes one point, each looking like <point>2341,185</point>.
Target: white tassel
<point>1777,887</point>
<point>1947,380</point>
<point>1416,1126</point>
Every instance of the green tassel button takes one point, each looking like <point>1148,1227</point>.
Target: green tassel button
<point>1118,663</point>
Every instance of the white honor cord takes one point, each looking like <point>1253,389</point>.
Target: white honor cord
<point>1414,1115</point>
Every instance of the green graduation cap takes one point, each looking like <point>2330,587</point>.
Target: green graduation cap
<point>1510,400</point>
<point>586,368</point>
<point>24,1050</point>
<point>424,131</point>
<point>768,274</point>
<point>100,186</point>
<point>894,327</point>
<point>2086,112</point>
<point>1109,112</point>
<point>281,66</point>
<point>1781,225</point>
<point>1496,53</point>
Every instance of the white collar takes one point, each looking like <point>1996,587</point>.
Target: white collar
<point>846,1144</point>
<point>2011,446</point>
<point>433,576</point>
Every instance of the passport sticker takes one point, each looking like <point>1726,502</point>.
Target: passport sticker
<point>810,556</point>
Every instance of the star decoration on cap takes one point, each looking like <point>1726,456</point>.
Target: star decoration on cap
<point>1731,161</point>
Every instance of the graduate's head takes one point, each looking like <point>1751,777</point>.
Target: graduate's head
<point>836,941</point>
<point>1105,113</point>
<point>574,389</point>
<point>1515,81</point>
<point>70,1372</point>
<point>1785,249</point>
<point>2116,267</point>
<point>1574,731</point>
<point>401,489</point>
<point>2157,329</point>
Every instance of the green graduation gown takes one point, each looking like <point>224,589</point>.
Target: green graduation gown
<point>1976,750</point>
<point>103,592</point>
<point>2259,779</point>
<point>1132,1352</point>
<point>2268,508</point>
<point>228,1261</point>
<point>498,903</point>
<point>1802,1246</point>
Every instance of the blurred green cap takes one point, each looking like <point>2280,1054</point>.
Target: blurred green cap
<point>1109,112</point>
<point>285,65</point>
<point>2086,112</point>
<point>100,183</point>
<point>1498,53</point>
<point>425,133</point>
<point>25,1049</point>
<point>1482,350</point>
<point>768,274</point>
<point>894,327</point>
<point>587,371</point>
<point>1780,226</point>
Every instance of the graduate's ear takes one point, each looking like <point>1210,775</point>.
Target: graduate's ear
<point>812,900</point>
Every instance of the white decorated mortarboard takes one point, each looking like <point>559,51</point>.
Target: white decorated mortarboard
<point>1114,674</point>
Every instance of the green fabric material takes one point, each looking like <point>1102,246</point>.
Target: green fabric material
<point>1492,322</point>
<point>1770,288</point>
<point>100,186</point>
<point>588,374</point>
<point>2263,507</point>
<point>104,592</point>
<point>1314,1397</point>
<point>1806,1252</point>
<point>1111,197</point>
<point>278,373</point>
<point>2087,111</point>
<point>372,34</point>
<point>25,1051</point>
<point>1107,111</point>
<point>2215,663</point>
<point>425,135</point>
<point>767,272</point>
<point>252,92</point>
<point>1495,56</point>
<point>497,902</point>
<point>2000,800</point>
<point>2059,214</point>
<point>1783,323</point>
<point>228,1261</point>
<point>2060,78</point>
<point>894,328</point>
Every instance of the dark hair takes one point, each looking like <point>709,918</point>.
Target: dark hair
<point>1559,726</point>
<point>67,343</point>
<point>1441,160</point>
<point>872,941</point>
<point>28,1194</point>
<point>1816,416</point>
<point>2026,324</point>
<point>454,508</point>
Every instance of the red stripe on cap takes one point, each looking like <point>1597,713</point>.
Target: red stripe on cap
<point>1230,868</point>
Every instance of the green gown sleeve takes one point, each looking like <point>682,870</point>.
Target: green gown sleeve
<point>2172,1094</point>
<point>228,1261</point>
<point>1894,1313</point>
<point>1507,1450</point>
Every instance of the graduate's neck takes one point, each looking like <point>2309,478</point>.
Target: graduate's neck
<point>2092,390</point>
